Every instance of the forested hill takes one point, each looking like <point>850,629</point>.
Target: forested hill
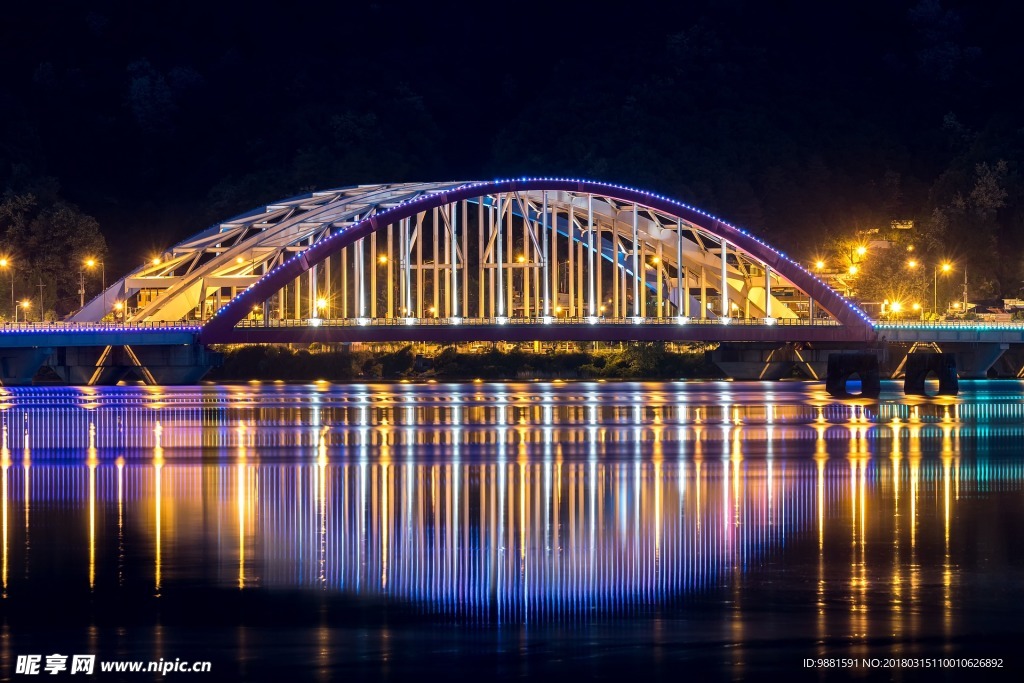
<point>802,122</point>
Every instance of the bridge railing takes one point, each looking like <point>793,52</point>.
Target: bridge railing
<point>62,326</point>
<point>585,320</point>
<point>950,325</point>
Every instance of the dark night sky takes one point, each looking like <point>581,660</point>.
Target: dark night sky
<point>794,119</point>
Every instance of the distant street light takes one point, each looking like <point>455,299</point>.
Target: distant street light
<point>25,305</point>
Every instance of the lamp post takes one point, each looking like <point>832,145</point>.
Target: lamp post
<point>965,291</point>
<point>945,267</point>
<point>7,263</point>
<point>26,304</point>
<point>92,263</point>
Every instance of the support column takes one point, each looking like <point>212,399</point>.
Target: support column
<point>465,258</point>
<point>453,210</point>
<point>571,271</point>
<point>482,273</point>
<point>501,269</point>
<point>390,271</point>
<point>767,291</point>
<point>403,262</point>
<point>373,274</point>
<point>725,280</point>
<point>545,265</point>
<point>599,267</point>
<point>360,281</point>
<point>328,289</point>
<point>553,265</point>
<point>643,278</point>
<point>660,313</point>
<point>419,265</point>
<point>436,251</point>
<point>344,282</point>
<point>703,292</point>
<point>591,309</point>
<point>510,307</point>
<point>580,291</point>
<point>636,262</point>
<point>684,300</point>
<point>312,279</point>
<point>527,261</point>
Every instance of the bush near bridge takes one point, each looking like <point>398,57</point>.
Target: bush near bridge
<point>634,361</point>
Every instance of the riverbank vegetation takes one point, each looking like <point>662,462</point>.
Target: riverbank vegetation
<point>632,361</point>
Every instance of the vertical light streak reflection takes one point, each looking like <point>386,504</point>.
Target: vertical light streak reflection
<point>120,521</point>
<point>5,464</point>
<point>897,564</point>
<point>240,499</point>
<point>857,619</point>
<point>947,567</point>
<point>92,463</point>
<point>158,465</point>
<point>321,494</point>
<point>26,468</point>
<point>822,625</point>
<point>915,569</point>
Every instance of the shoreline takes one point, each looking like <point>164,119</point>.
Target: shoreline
<point>636,362</point>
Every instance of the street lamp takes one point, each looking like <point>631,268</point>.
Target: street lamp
<point>945,267</point>
<point>25,304</point>
<point>92,263</point>
<point>7,263</point>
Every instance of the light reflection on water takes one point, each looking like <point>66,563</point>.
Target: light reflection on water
<point>291,417</point>
<point>526,503</point>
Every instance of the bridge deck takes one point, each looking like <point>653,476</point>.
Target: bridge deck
<point>442,330</point>
<point>951,332</point>
<point>60,334</point>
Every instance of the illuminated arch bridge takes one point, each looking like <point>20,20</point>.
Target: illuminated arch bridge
<point>527,259</point>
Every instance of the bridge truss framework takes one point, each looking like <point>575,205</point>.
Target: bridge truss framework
<point>550,250</point>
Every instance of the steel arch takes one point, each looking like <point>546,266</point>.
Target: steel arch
<point>234,311</point>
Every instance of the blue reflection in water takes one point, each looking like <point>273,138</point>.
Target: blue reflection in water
<point>506,502</point>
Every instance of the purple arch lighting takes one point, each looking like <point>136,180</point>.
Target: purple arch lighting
<point>824,296</point>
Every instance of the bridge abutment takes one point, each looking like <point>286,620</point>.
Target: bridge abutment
<point>754,361</point>
<point>19,366</point>
<point>973,361</point>
<point>155,365</point>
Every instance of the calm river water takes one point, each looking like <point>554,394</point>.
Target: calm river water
<point>513,530</point>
